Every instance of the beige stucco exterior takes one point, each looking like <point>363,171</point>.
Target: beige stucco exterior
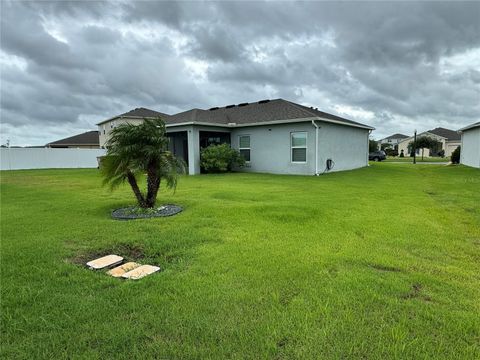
<point>447,146</point>
<point>107,126</point>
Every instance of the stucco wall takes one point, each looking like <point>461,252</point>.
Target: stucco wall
<point>450,147</point>
<point>105,128</point>
<point>346,145</point>
<point>470,151</point>
<point>271,152</point>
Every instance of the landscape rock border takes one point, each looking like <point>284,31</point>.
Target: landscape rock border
<point>162,211</point>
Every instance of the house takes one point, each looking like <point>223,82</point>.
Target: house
<point>449,141</point>
<point>470,150</point>
<point>134,116</point>
<point>274,136</point>
<point>391,141</point>
<point>87,140</point>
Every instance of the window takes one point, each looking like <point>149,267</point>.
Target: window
<point>103,129</point>
<point>299,147</point>
<point>244,146</point>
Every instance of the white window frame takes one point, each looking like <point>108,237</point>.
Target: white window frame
<point>298,147</point>
<point>244,148</point>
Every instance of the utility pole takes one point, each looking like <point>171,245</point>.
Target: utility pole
<point>415,147</point>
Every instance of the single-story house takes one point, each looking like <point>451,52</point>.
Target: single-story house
<point>470,150</point>
<point>392,140</point>
<point>274,136</point>
<point>87,140</point>
<point>449,141</point>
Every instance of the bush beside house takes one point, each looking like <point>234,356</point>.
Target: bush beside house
<point>220,158</point>
<point>455,159</point>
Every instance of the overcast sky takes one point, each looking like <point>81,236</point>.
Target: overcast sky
<point>395,66</point>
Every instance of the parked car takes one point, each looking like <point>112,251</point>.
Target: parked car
<point>377,155</point>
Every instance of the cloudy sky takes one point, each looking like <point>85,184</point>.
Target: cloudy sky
<point>396,66</point>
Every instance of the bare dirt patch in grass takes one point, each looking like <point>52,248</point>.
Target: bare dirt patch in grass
<point>127,251</point>
<point>416,292</point>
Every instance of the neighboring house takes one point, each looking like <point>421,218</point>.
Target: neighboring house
<point>392,140</point>
<point>134,116</point>
<point>88,140</point>
<point>470,150</point>
<point>449,140</point>
<point>274,136</point>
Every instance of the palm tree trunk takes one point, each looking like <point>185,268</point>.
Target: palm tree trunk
<point>153,184</point>
<point>133,184</point>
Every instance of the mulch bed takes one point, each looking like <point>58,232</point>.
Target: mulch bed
<point>133,212</point>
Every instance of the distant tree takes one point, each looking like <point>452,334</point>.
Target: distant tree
<point>136,150</point>
<point>385,146</point>
<point>372,145</point>
<point>425,142</point>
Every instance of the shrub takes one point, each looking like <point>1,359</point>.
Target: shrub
<point>402,154</point>
<point>220,158</point>
<point>456,156</point>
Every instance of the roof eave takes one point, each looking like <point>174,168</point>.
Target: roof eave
<point>273,122</point>
<point>469,127</point>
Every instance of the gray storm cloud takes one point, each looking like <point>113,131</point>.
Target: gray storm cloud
<point>396,66</point>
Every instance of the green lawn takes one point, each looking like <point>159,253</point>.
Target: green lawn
<point>381,262</point>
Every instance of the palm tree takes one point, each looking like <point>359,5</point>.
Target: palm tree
<point>135,150</point>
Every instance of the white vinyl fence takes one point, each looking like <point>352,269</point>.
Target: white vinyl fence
<point>47,158</point>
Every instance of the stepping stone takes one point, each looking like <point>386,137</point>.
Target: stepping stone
<point>140,272</point>
<point>122,269</point>
<point>106,261</point>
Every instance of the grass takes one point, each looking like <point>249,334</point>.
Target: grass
<point>419,159</point>
<point>381,262</point>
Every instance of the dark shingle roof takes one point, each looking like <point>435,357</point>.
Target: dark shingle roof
<point>143,112</point>
<point>140,113</point>
<point>87,138</point>
<point>254,113</point>
<point>396,136</point>
<point>446,133</point>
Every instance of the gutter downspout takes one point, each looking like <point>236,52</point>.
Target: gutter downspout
<point>368,145</point>
<point>316,147</point>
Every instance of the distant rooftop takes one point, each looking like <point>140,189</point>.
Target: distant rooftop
<point>89,138</point>
<point>396,136</point>
<point>446,133</point>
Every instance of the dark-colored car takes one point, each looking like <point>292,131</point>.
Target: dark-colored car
<point>377,155</point>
